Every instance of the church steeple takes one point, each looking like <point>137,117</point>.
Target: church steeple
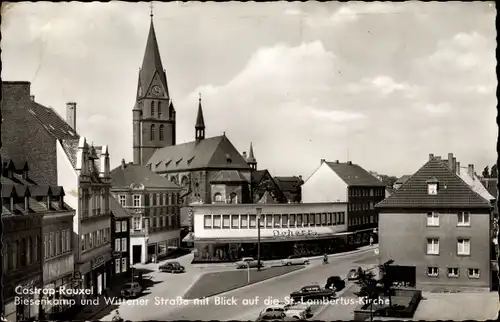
<point>252,162</point>
<point>200,123</point>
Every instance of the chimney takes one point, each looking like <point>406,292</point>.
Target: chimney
<point>458,168</point>
<point>349,162</point>
<point>323,161</point>
<point>300,177</point>
<point>244,154</point>
<point>32,98</point>
<point>71,114</point>
<point>437,158</point>
<point>431,156</point>
<point>337,161</point>
<point>470,170</point>
<point>450,161</point>
<point>454,165</point>
<point>123,163</point>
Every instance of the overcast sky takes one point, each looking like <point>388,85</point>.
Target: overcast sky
<point>380,84</point>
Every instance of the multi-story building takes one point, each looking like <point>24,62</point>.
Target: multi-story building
<point>120,239</point>
<point>350,183</point>
<point>227,232</point>
<point>154,203</point>
<point>30,211</point>
<point>58,155</point>
<point>436,228</point>
<point>263,182</point>
<point>291,188</point>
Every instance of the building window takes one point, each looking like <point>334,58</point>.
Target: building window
<point>464,218</point>
<point>14,255</point>
<point>82,244</point>
<point>118,227</point>
<point>5,257</point>
<point>269,221</point>
<point>68,240</point>
<point>207,219</point>
<point>137,200</point>
<point>453,272</point>
<point>218,198</point>
<point>51,245</point>
<point>117,244</point>
<point>463,246</point>
<point>153,129</point>
<point>124,244</point>
<point>317,219</point>
<point>432,189</point>
<point>117,266</point>
<point>225,221</point>
<point>433,219</point>
<point>152,108</point>
<point>124,226</point>
<point>299,220</point>
<point>124,264</point>
<point>244,221</point>
<point>277,221</point>
<point>137,223</point>
<point>291,222</point>
<point>123,200</point>
<point>22,252</point>
<point>159,109</point>
<point>432,246</point>
<point>46,246</point>
<point>253,221</point>
<point>473,272</point>
<point>323,219</point>
<point>98,238</point>
<point>217,223</point>
<point>233,197</point>
<point>35,249</point>
<point>28,251</point>
<point>432,271</point>
<point>235,221</point>
<point>284,221</point>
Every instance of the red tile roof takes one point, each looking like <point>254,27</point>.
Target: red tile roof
<point>453,192</point>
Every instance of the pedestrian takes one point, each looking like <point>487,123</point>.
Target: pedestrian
<point>371,240</point>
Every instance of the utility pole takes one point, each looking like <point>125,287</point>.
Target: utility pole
<point>259,213</point>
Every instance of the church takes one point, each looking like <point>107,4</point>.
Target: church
<point>209,169</point>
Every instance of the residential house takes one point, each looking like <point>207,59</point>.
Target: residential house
<point>350,183</point>
<point>120,239</point>
<point>291,188</point>
<point>436,229</point>
<point>154,203</point>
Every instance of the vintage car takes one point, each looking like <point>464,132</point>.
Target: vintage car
<point>353,274</point>
<point>275,316</point>
<point>312,292</point>
<point>335,282</point>
<point>290,311</point>
<point>304,309</point>
<point>130,290</point>
<point>172,267</point>
<point>294,260</point>
<point>248,262</point>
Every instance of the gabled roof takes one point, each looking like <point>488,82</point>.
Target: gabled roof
<point>402,179</point>
<point>229,176</point>
<point>453,192</point>
<point>117,210</point>
<point>52,122</point>
<point>289,186</point>
<point>267,199</point>
<point>354,175</point>
<point>257,176</point>
<point>125,176</point>
<point>215,152</point>
<point>475,184</point>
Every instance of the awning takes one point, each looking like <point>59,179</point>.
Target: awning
<point>189,238</point>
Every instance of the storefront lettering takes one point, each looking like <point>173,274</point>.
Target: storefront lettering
<point>298,233</point>
<point>96,262</point>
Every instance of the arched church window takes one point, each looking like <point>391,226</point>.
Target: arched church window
<point>162,130</point>
<point>152,108</point>
<point>153,128</point>
<point>234,197</point>
<point>184,181</point>
<point>159,109</point>
<point>217,197</point>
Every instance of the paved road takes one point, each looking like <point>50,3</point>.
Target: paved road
<point>249,301</point>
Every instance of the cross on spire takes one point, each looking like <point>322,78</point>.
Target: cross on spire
<point>199,97</point>
<point>151,10</point>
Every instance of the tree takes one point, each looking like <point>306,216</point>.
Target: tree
<point>369,288</point>
<point>486,172</point>
<point>494,171</point>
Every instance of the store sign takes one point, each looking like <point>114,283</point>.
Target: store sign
<point>77,276</point>
<point>96,262</point>
<point>294,233</point>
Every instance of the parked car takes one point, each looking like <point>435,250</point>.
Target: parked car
<point>129,290</point>
<point>312,292</point>
<point>289,310</point>
<point>336,282</point>
<point>248,262</point>
<point>295,260</point>
<point>353,274</point>
<point>172,267</point>
<point>274,316</point>
<point>299,311</point>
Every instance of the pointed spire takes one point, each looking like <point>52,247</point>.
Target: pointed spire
<point>151,10</point>
<point>151,64</point>
<point>250,154</point>
<point>252,162</point>
<point>200,122</point>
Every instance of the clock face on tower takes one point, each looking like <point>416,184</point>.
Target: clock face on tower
<point>156,90</point>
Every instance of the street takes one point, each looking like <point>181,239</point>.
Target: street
<point>241,304</point>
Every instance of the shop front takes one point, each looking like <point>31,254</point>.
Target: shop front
<point>23,306</point>
<point>65,303</point>
<point>100,272</point>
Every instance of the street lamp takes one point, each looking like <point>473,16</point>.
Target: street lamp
<point>259,213</point>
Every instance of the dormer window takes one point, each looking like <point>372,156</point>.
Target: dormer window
<point>432,186</point>
<point>228,159</point>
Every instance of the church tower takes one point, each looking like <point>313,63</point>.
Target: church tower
<point>251,160</point>
<point>199,127</point>
<point>154,112</point>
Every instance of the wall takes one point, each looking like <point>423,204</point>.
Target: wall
<point>62,265</point>
<point>163,236</point>
<point>138,241</point>
<point>404,240</point>
<point>236,209</point>
<point>324,185</point>
<point>58,267</point>
<point>23,137</point>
